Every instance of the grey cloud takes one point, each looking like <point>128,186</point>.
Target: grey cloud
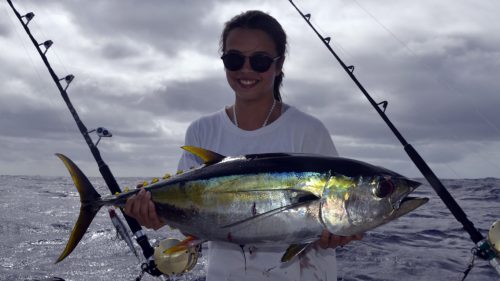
<point>33,155</point>
<point>119,50</point>
<point>170,26</point>
<point>202,97</point>
<point>33,122</point>
<point>443,94</point>
<point>177,101</point>
<point>4,27</point>
<point>341,108</point>
<point>428,95</point>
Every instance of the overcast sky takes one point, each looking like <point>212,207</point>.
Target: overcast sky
<point>146,69</point>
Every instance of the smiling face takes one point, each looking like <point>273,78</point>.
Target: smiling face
<point>247,83</point>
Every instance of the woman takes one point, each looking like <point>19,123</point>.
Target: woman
<point>253,45</point>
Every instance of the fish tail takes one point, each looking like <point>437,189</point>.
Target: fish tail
<point>90,205</point>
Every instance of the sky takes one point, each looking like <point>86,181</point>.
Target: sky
<point>146,69</point>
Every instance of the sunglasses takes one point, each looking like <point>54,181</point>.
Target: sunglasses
<point>258,62</point>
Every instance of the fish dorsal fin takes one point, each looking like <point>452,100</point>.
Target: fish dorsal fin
<point>209,157</point>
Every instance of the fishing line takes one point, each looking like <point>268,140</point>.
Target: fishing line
<point>104,169</point>
<point>486,158</point>
<point>384,27</point>
<point>47,14</point>
<point>43,87</point>
<point>344,51</point>
<point>485,248</point>
<point>413,53</point>
<point>440,81</point>
<point>41,30</point>
<point>157,262</point>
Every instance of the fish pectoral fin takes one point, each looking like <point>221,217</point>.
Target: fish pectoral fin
<point>209,157</point>
<point>188,242</point>
<point>295,195</point>
<point>268,213</point>
<point>293,251</point>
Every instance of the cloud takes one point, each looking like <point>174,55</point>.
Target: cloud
<point>4,27</point>
<point>168,28</point>
<point>146,70</point>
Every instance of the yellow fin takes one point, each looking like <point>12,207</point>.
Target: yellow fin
<point>182,246</point>
<point>208,157</point>
<point>91,204</point>
<point>293,251</point>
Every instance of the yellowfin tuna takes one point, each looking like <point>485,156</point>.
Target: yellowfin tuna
<point>264,199</point>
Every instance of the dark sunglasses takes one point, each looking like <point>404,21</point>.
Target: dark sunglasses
<point>258,62</point>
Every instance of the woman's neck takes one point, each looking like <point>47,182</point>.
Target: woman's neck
<point>252,115</point>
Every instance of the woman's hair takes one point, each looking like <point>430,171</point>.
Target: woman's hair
<point>261,21</point>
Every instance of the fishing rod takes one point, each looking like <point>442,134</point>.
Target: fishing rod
<point>106,173</point>
<point>484,248</point>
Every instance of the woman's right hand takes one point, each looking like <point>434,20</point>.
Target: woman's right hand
<point>141,208</point>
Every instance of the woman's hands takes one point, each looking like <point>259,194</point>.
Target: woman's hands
<point>328,240</point>
<point>141,208</point>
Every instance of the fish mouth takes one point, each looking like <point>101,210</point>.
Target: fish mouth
<point>397,200</point>
<point>412,184</point>
<point>406,205</point>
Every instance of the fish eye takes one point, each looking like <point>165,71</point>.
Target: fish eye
<point>385,188</point>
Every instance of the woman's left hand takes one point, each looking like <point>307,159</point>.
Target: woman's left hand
<point>328,240</point>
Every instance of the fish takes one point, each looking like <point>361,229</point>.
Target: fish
<point>269,198</point>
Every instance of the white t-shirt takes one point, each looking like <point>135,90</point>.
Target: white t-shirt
<point>293,131</point>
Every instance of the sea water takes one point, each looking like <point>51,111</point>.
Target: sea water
<point>38,213</point>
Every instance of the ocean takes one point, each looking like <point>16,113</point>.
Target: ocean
<point>37,214</point>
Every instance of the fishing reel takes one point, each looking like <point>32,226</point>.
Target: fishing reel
<point>163,262</point>
<point>494,240</point>
<point>176,263</point>
<point>489,249</point>
<point>494,237</point>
